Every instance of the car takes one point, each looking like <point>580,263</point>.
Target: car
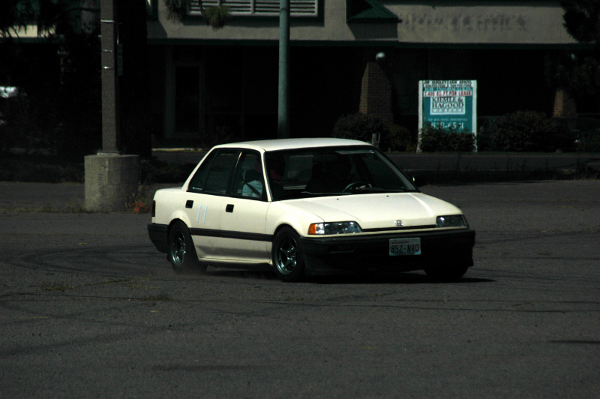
<point>308,207</point>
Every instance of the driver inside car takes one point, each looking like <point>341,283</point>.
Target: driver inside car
<point>330,176</point>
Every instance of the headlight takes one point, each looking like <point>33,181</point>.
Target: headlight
<point>451,221</point>
<point>334,228</point>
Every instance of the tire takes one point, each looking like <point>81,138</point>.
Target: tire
<point>451,273</point>
<point>287,256</point>
<point>182,254</point>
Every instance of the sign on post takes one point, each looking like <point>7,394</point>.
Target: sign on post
<point>448,104</point>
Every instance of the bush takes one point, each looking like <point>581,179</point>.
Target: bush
<point>156,171</point>
<point>399,138</point>
<point>361,127</point>
<point>525,131</point>
<point>437,139</point>
<point>590,142</point>
<point>39,168</point>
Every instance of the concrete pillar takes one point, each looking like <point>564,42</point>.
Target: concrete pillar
<point>111,181</point>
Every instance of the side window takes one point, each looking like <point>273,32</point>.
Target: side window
<point>214,173</point>
<point>220,172</point>
<point>197,183</point>
<point>248,181</point>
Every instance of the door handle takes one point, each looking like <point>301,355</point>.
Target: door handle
<point>229,208</point>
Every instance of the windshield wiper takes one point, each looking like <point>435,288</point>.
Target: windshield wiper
<point>310,194</point>
<point>379,190</point>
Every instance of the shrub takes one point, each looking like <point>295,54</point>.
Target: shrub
<point>216,16</point>
<point>524,131</point>
<point>155,171</point>
<point>39,168</point>
<point>361,127</point>
<point>590,142</point>
<point>399,138</point>
<point>434,139</point>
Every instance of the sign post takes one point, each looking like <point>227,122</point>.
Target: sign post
<point>448,104</point>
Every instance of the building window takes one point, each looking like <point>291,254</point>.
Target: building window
<point>262,8</point>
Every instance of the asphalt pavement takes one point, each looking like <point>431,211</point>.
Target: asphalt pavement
<point>89,308</point>
<point>51,197</point>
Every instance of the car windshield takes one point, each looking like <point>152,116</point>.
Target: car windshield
<point>327,171</point>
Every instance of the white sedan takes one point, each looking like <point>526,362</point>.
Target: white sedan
<point>308,207</point>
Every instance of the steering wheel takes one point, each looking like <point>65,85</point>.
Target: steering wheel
<point>355,184</point>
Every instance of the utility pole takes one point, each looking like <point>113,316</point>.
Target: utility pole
<point>283,123</point>
<point>109,31</point>
<point>111,179</point>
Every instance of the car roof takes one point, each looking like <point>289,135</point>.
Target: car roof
<point>290,144</point>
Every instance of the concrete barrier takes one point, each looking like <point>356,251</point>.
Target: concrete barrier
<point>111,180</point>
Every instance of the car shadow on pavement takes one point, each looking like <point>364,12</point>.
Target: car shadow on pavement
<point>357,278</point>
<point>391,278</point>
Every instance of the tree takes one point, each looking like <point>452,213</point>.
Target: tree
<point>61,74</point>
<point>582,20</point>
<point>578,72</point>
<point>20,14</point>
<point>216,16</point>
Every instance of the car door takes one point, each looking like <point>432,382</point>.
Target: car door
<point>243,221</point>
<point>205,201</point>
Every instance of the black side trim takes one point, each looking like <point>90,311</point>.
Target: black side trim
<point>238,235</point>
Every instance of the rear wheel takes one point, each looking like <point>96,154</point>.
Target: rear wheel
<point>450,273</point>
<point>182,253</point>
<point>287,256</point>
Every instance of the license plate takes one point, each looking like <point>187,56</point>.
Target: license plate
<point>405,246</point>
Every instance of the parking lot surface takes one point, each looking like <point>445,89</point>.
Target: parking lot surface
<point>89,308</point>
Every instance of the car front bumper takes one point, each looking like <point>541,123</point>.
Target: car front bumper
<point>446,248</point>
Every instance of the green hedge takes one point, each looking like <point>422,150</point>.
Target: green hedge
<point>526,131</point>
<point>361,127</point>
<point>436,139</point>
<point>590,142</point>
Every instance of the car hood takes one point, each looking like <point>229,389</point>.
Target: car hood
<point>378,210</point>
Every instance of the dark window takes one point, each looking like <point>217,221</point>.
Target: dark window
<point>199,179</point>
<point>220,172</point>
<point>258,8</point>
<point>332,171</point>
<point>248,181</point>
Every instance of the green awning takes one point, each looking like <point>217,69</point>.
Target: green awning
<point>368,11</point>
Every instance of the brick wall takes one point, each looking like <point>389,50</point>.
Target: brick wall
<point>376,93</point>
<point>564,106</point>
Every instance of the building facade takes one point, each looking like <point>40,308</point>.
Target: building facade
<point>346,56</point>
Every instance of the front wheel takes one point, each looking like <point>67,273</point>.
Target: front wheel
<point>287,256</point>
<point>450,273</point>
<point>182,254</point>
